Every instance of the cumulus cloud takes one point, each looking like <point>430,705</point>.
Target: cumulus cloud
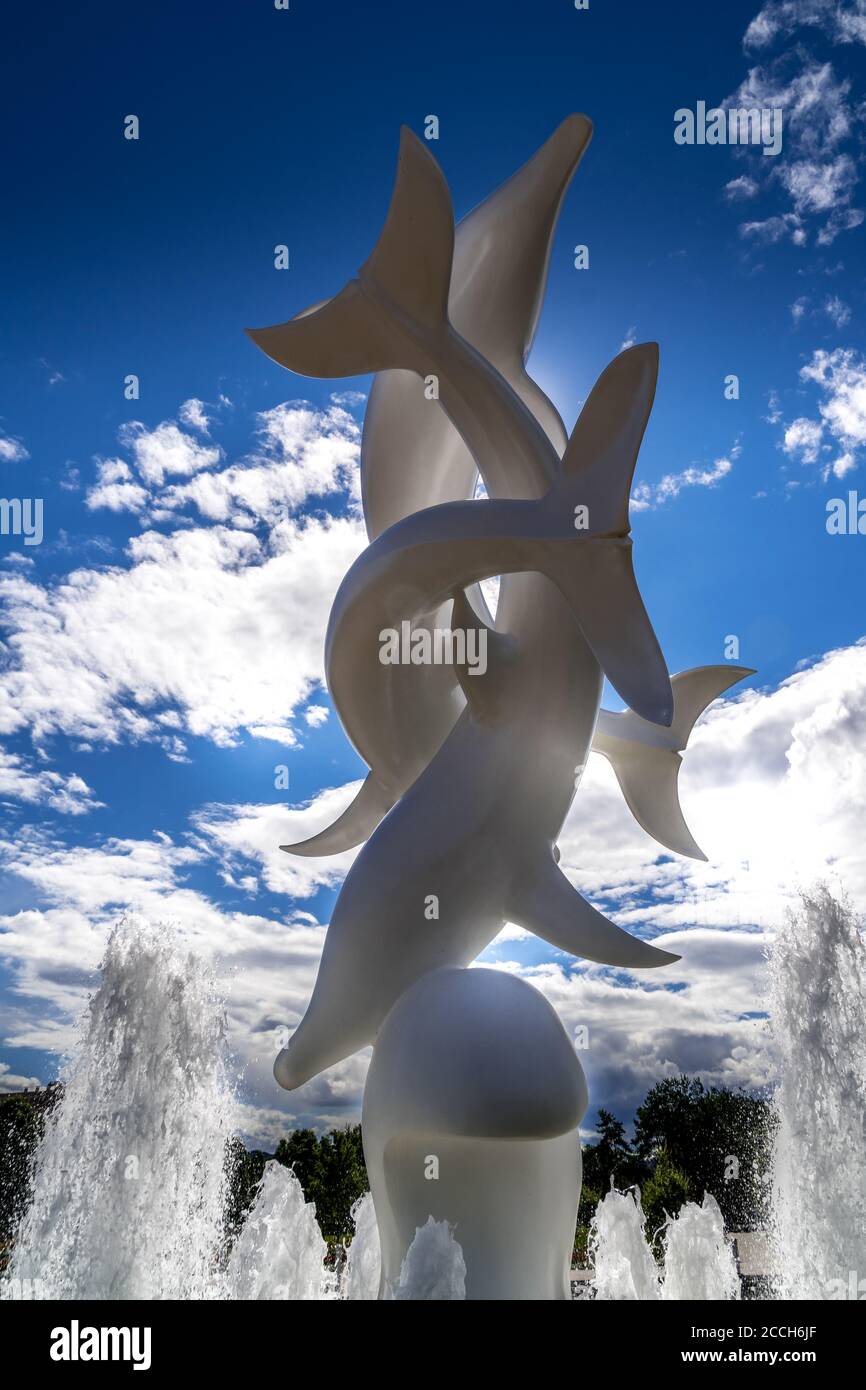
<point>9,1082</point>
<point>802,440</point>
<point>165,451</point>
<point>301,452</point>
<point>22,780</point>
<point>216,628</point>
<point>114,488</point>
<point>840,376</point>
<point>192,413</point>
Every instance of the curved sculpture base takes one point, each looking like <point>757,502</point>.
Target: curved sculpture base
<point>471,1114</point>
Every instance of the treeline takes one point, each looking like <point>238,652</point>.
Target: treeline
<point>688,1139</point>
<point>330,1169</point>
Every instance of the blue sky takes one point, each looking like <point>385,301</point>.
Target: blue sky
<point>171,674</point>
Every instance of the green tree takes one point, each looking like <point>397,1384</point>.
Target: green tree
<point>719,1139</point>
<point>300,1152</point>
<point>664,1192</point>
<point>331,1171</point>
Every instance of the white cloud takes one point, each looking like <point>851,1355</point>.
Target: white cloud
<point>739,189</point>
<point>12,450</point>
<point>630,339</point>
<point>647,495</point>
<point>817,113</point>
<point>166,450</point>
<point>772,229</point>
<point>819,177</point>
<point>22,780</point>
<point>9,1082</point>
<point>841,378</point>
<point>840,220</point>
<point>251,835</point>
<point>837,310</point>
<point>316,715</point>
<point>773,786</point>
<point>114,488</point>
<point>841,21</point>
<point>817,186</point>
<point>798,308</point>
<point>841,375</point>
<point>301,453</point>
<point>215,625</point>
<point>803,439</point>
<point>192,414</point>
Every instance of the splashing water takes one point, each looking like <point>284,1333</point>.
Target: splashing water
<point>364,1260</point>
<point>434,1268</point>
<point>280,1253</point>
<point>130,1176</point>
<point>699,1262</point>
<point>623,1261</point>
<point>817,969</point>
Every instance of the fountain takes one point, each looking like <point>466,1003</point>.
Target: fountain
<point>280,1252</point>
<point>817,968</point>
<point>434,1268</point>
<point>698,1262</point>
<point>130,1181</point>
<point>622,1260</point>
<point>130,1178</point>
<point>362,1274</point>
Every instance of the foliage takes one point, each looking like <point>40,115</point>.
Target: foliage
<point>664,1192</point>
<point>720,1140</point>
<point>332,1172</point>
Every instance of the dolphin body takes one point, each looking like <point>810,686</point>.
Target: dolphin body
<point>468,791</point>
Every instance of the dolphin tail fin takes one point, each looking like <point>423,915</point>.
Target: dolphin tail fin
<point>647,759</point>
<point>594,486</point>
<point>356,824</point>
<point>551,907</point>
<point>406,277</point>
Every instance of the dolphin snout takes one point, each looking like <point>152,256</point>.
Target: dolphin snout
<point>287,1071</point>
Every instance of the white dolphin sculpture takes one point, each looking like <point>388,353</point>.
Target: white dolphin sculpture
<point>481,794</point>
<point>471,776</point>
